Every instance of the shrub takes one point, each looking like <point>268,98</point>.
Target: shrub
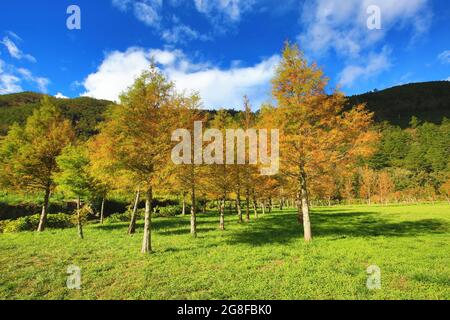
<point>30,223</point>
<point>169,211</point>
<point>2,225</point>
<point>117,217</point>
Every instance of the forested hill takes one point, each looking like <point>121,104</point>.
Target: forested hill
<point>428,101</point>
<point>85,113</point>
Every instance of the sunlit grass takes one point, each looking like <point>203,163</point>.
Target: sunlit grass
<point>264,259</point>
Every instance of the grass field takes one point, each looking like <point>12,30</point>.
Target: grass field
<point>264,259</point>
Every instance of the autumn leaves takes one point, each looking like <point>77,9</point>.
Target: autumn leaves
<point>309,133</point>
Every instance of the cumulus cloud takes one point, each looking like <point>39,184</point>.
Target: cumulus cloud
<point>14,51</point>
<point>444,57</point>
<point>376,64</point>
<point>218,87</point>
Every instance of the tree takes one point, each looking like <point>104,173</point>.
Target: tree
<point>369,183</point>
<point>74,178</point>
<point>445,190</point>
<point>315,131</point>
<point>105,170</point>
<point>385,186</point>
<point>28,154</point>
<point>187,175</point>
<point>141,128</point>
<point>219,180</point>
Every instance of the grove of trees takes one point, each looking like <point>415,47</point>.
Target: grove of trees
<point>329,153</point>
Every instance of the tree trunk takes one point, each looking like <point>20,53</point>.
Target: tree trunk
<point>247,206</point>
<point>43,218</point>
<point>255,208</point>
<point>270,205</point>
<point>299,205</point>
<point>305,206</point>
<point>79,225</point>
<point>238,206</point>
<point>147,239</point>
<point>102,210</point>
<point>132,226</point>
<point>193,213</point>
<point>184,204</point>
<point>222,212</point>
<point>263,207</point>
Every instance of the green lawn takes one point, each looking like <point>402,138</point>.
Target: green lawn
<point>264,259</point>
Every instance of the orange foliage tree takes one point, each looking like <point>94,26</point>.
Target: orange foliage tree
<point>315,131</point>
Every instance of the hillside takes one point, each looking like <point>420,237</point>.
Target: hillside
<point>428,101</point>
<point>85,113</point>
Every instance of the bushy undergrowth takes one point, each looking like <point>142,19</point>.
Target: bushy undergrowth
<point>30,223</point>
<point>169,211</point>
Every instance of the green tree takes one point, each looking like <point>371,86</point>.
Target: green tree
<point>74,178</point>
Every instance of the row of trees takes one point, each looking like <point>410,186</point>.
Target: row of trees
<point>321,145</point>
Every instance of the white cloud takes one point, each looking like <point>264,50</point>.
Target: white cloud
<point>342,25</point>
<point>222,14</point>
<point>40,82</point>
<point>224,9</point>
<point>217,87</point>
<point>121,4</point>
<point>14,51</point>
<point>146,11</point>
<point>376,64</point>
<point>59,95</point>
<point>8,82</point>
<point>11,79</point>
<point>444,57</point>
<point>181,33</point>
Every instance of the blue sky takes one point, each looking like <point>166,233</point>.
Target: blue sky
<point>221,48</point>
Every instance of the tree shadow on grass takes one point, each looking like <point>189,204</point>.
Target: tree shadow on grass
<point>173,225</point>
<point>282,228</point>
<point>184,231</point>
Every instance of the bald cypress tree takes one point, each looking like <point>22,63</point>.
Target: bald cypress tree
<point>28,154</point>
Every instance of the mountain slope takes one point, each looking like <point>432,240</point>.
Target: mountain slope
<point>428,101</point>
<point>85,113</point>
